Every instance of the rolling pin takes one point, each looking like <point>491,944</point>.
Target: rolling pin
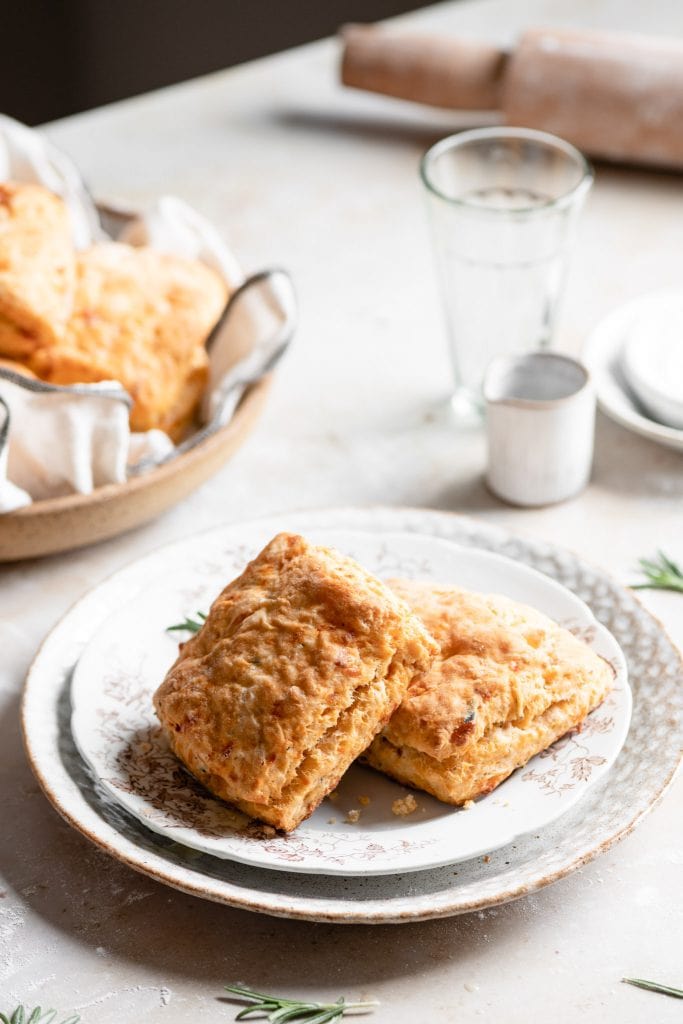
<point>617,96</point>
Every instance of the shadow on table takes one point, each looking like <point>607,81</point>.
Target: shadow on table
<point>113,912</point>
<point>407,129</point>
<point>626,463</point>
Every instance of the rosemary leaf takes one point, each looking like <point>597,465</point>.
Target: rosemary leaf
<point>661,574</point>
<point>278,1010</point>
<point>35,1016</point>
<point>189,625</point>
<point>654,986</point>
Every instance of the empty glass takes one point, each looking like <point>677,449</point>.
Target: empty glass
<point>502,205</point>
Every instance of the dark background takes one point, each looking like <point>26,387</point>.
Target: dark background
<point>63,56</point>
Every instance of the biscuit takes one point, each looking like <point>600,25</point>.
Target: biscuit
<point>508,683</point>
<point>37,264</point>
<point>15,367</point>
<point>300,663</point>
<point>140,317</point>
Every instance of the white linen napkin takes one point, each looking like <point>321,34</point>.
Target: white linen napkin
<point>59,440</point>
<point>26,156</point>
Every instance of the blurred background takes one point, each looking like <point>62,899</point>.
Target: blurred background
<point>64,56</point>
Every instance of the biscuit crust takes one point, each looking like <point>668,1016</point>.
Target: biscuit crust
<point>508,683</point>
<point>140,317</point>
<point>300,663</point>
<point>37,268</point>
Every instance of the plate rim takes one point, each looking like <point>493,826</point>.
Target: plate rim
<point>275,904</point>
<point>598,345</point>
<point>81,712</point>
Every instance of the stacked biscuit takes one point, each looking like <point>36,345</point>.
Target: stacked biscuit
<point>111,312</point>
<point>307,662</point>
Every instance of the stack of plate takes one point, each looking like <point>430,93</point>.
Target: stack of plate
<point>633,359</point>
<point>96,748</point>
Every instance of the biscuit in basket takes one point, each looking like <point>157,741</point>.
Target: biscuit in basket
<point>36,268</point>
<point>140,317</point>
<point>508,683</point>
<point>15,367</point>
<point>300,663</point>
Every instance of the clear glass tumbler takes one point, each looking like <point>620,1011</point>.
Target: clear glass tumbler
<point>502,205</point>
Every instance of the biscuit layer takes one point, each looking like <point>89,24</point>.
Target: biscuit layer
<point>37,268</point>
<point>508,683</point>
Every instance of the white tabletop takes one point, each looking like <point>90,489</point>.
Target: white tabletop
<point>299,172</point>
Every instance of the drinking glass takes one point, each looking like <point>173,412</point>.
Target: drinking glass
<point>502,205</point>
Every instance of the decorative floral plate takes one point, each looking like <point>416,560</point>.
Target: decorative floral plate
<point>641,774</point>
<point>115,729</point>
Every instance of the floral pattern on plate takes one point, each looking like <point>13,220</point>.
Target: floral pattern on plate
<point>115,729</point>
<point>610,810</point>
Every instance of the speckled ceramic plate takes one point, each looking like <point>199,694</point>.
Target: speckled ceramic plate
<point>641,773</point>
<point>115,729</point>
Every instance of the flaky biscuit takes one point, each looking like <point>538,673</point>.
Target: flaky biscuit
<point>508,683</point>
<point>140,317</point>
<point>300,663</point>
<point>37,266</point>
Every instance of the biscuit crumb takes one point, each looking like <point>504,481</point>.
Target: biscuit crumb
<point>352,817</point>
<point>260,831</point>
<point>486,859</point>
<point>468,803</point>
<point>364,801</point>
<point>404,805</point>
<point>331,821</point>
<point>334,796</point>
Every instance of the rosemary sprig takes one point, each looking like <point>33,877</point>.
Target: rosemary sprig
<point>35,1016</point>
<point>654,986</point>
<point>278,1011</point>
<point>189,625</point>
<point>661,573</point>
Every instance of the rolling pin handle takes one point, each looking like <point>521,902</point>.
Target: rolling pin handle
<point>461,74</point>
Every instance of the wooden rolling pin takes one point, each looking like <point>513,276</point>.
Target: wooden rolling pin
<point>615,95</point>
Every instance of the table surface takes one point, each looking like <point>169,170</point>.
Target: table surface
<point>297,171</point>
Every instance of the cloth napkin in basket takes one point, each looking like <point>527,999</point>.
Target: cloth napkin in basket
<point>58,440</point>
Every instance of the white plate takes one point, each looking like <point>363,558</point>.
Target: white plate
<point>642,773</point>
<point>601,355</point>
<point>115,729</point>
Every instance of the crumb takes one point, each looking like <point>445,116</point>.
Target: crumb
<point>352,817</point>
<point>255,830</point>
<point>486,859</point>
<point>364,801</point>
<point>331,821</point>
<point>334,796</point>
<point>404,805</point>
<point>468,803</point>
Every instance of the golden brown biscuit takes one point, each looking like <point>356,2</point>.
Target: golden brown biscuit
<point>36,268</point>
<point>140,317</point>
<point>300,663</point>
<point>11,364</point>
<point>509,682</point>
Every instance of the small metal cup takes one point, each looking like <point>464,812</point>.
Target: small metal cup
<point>540,424</point>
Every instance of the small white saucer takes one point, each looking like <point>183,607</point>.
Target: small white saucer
<point>602,355</point>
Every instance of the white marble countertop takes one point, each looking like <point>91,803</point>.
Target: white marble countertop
<point>299,172</point>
